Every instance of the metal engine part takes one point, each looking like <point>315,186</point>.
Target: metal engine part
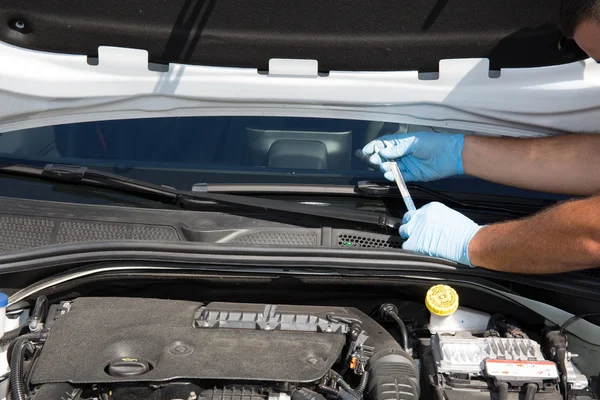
<point>467,367</point>
<point>500,358</point>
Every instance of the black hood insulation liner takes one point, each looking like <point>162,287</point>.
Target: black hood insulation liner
<point>339,34</point>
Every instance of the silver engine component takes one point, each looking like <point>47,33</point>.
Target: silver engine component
<point>574,377</point>
<point>505,359</point>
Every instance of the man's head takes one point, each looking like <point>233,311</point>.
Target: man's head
<point>580,19</point>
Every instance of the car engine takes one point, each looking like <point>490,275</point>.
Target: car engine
<point>117,348</point>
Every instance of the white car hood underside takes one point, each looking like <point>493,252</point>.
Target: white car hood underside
<point>38,89</point>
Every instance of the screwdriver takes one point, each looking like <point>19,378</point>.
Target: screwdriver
<point>410,206</point>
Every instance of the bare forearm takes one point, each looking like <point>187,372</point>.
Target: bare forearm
<point>561,239</point>
<point>562,164</point>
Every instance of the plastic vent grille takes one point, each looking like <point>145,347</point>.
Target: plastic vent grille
<point>69,232</point>
<point>23,233</point>
<point>19,233</point>
<point>160,233</point>
<point>278,238</point>
<point>348,240</point>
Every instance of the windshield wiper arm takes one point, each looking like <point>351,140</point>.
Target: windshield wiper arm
<point>80,175</point>
<point>370,188</point>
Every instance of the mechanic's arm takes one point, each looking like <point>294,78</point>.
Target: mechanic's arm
<point>561,164</point>
<point>561,239</point>
<point>567,164</point>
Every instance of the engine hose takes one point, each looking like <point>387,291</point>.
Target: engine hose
<point>503,391</point>
<point>390,312</point>
<point>21,348</point>
<point>35,337</point>
<point>364,379</point>
<point>345,386</point>
<point>531,391</point>
<point>306,394</point>
<point>344,395</point>
<point>12,335</point>
<point>403,330</point>
<point>329,390</point>
<point>40,310</point>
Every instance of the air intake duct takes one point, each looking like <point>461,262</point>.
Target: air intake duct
<point>393,376</point>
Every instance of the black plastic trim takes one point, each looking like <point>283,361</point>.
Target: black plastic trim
<point>214,254</point>
<point>80,175</point>
<point>58,258</point>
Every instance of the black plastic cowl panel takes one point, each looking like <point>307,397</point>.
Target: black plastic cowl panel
<point>27,224</point>
<point>339,34</point>
<point>24,232</point>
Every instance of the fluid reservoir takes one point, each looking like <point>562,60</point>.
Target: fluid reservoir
<point>448,317</point>
<point>3,304</point>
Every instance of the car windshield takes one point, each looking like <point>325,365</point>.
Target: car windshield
<point>182,151</point>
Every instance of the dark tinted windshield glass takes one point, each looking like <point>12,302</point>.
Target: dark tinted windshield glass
<point>180,152</point>
<point>215,149</point>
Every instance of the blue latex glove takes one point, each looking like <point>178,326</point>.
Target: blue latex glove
<point>422,157</point>
<point>439,231</point>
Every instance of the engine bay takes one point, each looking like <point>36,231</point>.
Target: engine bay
<point>116,348</point>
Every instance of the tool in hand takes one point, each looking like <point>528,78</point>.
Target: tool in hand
<point>410,206</point>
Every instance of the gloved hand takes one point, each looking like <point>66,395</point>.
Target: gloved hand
<point>439,231</point>
<point>422,156</point>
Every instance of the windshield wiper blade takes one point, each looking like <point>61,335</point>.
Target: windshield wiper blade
<point>80,175</point>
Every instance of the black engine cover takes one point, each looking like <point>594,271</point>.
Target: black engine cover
<point>98,331</point>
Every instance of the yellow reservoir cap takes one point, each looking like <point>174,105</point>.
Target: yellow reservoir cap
<point>441,300</point>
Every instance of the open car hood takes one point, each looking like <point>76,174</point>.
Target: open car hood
<point>498,68</point>
<point>354,35</point>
